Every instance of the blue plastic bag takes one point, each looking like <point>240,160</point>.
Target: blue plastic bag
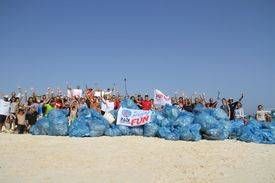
<point>157,116</point>
<point>97,127</point>
<point>129,104</point>
<point>206,121</point>
<point>56,113</point>
<point>58,126</point>
<point>125,130</point>
<point>150,129</point>
<point>114,113</point>
<point>272,128</point>
<point>113,131</point>
<point>190,132</point>
<point>166,133</point>
<point>41,127</point>
<point>183,120</point>
<point>79,128</point>
<point>165,122</point>
<point>171,112</point>
<point>213,134</point>
<point>236,129</point>
<point>84,112</point>
<point>219,114</point>
<point>251,133</point>
<point>137,131</point>
<point>198,109</point>
<point>268,137</point>
<point>257,132</point>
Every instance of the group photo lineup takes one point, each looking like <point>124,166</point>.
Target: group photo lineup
<point>137,91</point>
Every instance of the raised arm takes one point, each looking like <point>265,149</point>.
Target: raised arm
<point>203,98</point>
<point>241,97</point>
<point>219,96</point>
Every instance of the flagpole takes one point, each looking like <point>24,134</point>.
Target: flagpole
<point>125,87</point>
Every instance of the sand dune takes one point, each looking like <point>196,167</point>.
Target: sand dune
<point>26,158</point>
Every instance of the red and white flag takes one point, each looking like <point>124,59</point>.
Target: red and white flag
<point>161,99</point>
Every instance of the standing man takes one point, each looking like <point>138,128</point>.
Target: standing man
<point>261,114</point>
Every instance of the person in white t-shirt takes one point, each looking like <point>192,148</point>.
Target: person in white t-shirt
<point>107,104</point>
<point>108,92</point>
<point>260,114</point>
<point>239,111</point>
<point>4,110</point>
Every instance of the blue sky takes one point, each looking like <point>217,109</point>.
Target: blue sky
<point>188,46</point>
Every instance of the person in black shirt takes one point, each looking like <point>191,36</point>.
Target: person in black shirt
<point>233,105</point>
<point>225,107</point>
<point>31,116</point>
<point>188,107</point>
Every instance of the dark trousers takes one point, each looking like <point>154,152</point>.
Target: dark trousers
<point>21,129</point>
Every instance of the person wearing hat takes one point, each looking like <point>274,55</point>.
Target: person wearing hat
<point>4,110</point>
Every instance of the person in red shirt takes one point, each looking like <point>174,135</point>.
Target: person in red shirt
<point>117,102</point>
<point>146,104</point>
<point>58,103</point>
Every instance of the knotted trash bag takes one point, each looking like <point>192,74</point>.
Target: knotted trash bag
<point>206,121</point>
<point>219,114</point>
<point>168,133</point>
<point>138,131</point>
<point>41,127</point>
<point>190,132</point>
<point>236,129</point>
<point>113,131</point>
<point>84,112</point>
<point>97,127</point>
<point>198,109</point>
<point>79,128</point>
<point>171,112</point>
<point>129,104</point>
<point>58,123</point>
<point>125,130</point>
<point>251,133</point>
<point>183,120</point>
<point>150,129</point>
<point>256,132</point>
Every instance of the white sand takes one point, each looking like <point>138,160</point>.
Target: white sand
<point>26,158</point>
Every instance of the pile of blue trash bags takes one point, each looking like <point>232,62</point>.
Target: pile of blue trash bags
<point>170,123</point>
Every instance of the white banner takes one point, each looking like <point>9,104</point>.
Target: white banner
<point>74,93</point>
<point>98,94</point>
<point>4,107</point>
<point>102,93</point>
<point>133,117</point>
<point>160,99</point>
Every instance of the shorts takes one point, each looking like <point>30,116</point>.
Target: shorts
<point>2,118</point>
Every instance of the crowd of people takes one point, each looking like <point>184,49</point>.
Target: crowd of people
<point>19,111</point>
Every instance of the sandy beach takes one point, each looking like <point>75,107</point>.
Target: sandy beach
<point>27,158</point>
